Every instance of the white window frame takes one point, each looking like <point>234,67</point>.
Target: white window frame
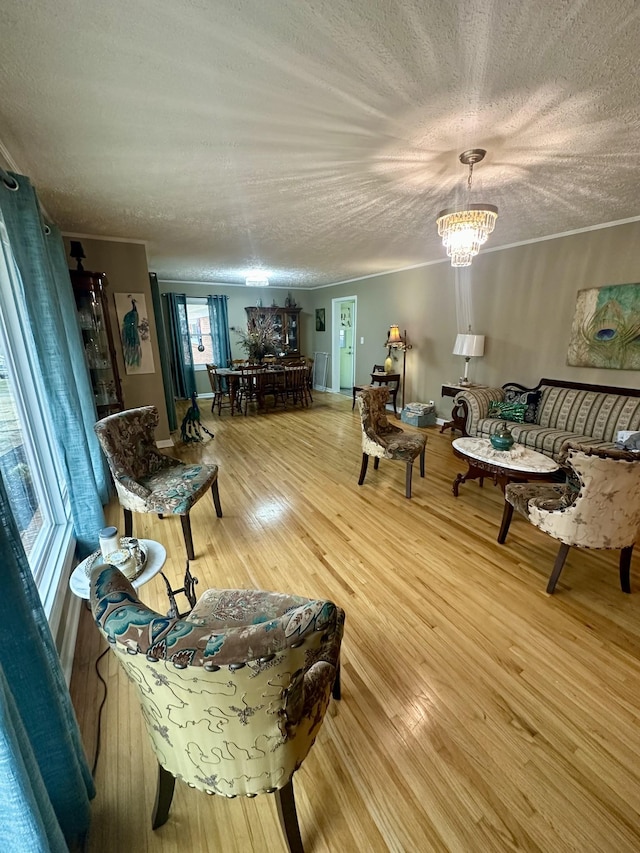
<point>52,554</point>
<point>198,300</point>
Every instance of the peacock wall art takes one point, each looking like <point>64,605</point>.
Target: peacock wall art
<point>133,321</point>
<point>606,328</point>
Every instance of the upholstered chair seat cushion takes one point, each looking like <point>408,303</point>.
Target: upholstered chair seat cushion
<point>523,496</point>
<point>175,490</point>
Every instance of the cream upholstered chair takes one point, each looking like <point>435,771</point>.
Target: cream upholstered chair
<point>599,507</point>
<point>234,694</point>
<point>147,480</point>
<point>383,440</point>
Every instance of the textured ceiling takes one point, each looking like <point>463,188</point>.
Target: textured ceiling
<point>318,139</point>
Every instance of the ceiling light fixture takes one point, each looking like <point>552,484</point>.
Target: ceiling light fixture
<point>464,231</point>
<point>257,280</point>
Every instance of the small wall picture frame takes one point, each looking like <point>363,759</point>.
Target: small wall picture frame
<point>320,321</point>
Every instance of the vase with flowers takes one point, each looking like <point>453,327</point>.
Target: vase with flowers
<point>261,338</point>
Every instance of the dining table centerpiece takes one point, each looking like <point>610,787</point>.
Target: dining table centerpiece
<point>261,338</point>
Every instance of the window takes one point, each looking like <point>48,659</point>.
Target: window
<point>28,459</point>
<point>200,332</point>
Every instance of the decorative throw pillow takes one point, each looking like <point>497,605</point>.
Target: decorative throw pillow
<point>507,411</point>
<point>530,400</point>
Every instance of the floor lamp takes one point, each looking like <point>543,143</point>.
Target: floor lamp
<point>398,342</point>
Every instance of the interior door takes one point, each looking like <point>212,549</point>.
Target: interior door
<point>346,338</point>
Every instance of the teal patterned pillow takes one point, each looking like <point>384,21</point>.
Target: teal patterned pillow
<point>507,411</point>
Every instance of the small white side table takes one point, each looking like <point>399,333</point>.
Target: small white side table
<point>156,556</point>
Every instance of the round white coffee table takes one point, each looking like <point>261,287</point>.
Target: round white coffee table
<point>156,556</point>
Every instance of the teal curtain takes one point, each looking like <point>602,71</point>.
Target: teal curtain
<point>165,364</point>
<point>184,376</point>
<point>219,319</point>
<point>45,783</point>
<point>37,255</point>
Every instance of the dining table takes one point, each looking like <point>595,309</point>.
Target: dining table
<point>256,376</point>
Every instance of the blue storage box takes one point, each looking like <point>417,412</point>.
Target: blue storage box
<point>419,416</point>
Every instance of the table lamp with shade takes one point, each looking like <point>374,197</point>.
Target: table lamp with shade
<point>470,346</point>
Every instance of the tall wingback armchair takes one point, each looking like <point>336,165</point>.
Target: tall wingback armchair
<point>147,480</point>
<point>384,440</point>
<point>234,694</point>
<point>599,506</point>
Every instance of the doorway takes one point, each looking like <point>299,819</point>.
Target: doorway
<point>343,339</point>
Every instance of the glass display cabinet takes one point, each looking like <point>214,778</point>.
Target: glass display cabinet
<point>89,290</point>
<point>286,322</point>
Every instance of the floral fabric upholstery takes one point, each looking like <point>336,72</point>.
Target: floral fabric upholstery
<point>379,437</point>
<point>589,418</point>
<point>603,512</point>
<point>147,480</point>
<point>234,695</point>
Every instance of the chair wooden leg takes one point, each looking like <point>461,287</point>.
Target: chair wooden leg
<point>337,689</point>
<point>407,490</point>
<point>557,568</point>
<point>188,539</point>
<point>164,795</point>
<point>507,514</point>
<point>128,522</point>
<point>422,461</point>
<point>216,498</point>
<point>376,462</point>
<point>363,469</point>
<point>625,568</point>
<point>286,805</point>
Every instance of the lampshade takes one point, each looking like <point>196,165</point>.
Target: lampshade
<point>394,335</point>
<point>471,346</point>
<point>464,230</point>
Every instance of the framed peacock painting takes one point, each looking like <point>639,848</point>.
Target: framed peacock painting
<point>133,322</point>
<point>606,328</point>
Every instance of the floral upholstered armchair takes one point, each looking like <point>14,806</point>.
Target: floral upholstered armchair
<point>598,507</point>
<point>234,694</point>
<point>383,440</point>
<point>147,480</point>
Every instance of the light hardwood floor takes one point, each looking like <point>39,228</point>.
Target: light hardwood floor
<point>478,713</point>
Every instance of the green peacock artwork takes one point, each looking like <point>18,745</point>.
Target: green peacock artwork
<point>131,343</point>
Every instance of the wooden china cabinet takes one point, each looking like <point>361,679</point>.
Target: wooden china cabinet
<point>287,323</point>
<point>89,290</point>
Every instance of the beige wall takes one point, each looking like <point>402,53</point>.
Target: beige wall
<point>523,298</point>
<point>126,267</point>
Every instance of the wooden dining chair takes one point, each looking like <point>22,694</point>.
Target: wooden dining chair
<point>219,386</point>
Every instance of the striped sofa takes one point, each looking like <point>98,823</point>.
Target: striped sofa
<point>557,411</point>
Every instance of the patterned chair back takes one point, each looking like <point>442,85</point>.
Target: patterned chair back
<point>231,705</point>
<point>605,512</point>
<point>127,439</point>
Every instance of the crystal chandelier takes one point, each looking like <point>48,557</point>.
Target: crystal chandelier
<point>464,231</point>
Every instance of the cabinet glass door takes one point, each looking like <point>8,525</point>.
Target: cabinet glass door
<point>96,349</point>
<point>292,337</point>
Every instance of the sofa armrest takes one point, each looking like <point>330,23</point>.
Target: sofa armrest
<point>475,402</point>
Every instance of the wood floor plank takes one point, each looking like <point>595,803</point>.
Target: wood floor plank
<point>478,713</point>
